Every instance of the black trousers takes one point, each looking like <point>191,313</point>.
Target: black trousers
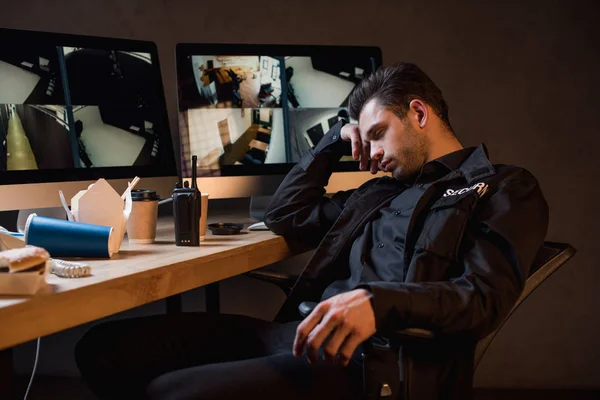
<point>206,356</point>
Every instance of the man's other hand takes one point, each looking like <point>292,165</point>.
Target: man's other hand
<point>361,150</point>
<point>346,320</point>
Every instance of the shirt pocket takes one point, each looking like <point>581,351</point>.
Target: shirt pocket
<point>445,224</point>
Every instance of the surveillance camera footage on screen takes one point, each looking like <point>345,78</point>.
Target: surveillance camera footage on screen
<point>72,107</point>
<point>246,114</point>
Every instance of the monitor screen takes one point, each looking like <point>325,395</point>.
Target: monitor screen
<point>257,109</point>
<point>77,107</point>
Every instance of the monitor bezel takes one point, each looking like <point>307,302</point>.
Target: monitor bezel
<point>85,174</point>
<point>183,50</point>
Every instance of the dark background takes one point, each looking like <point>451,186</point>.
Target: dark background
<point>521,76</point>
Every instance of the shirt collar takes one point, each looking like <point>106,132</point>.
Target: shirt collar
<point>477,165</point>
<point>435,169</point>
<point>473,162</point>
<point>455,159</point>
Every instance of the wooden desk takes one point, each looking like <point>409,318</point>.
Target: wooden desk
<point>137,275</point>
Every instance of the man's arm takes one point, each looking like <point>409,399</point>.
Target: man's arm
<point>497,252</point>
<point>299,208</point>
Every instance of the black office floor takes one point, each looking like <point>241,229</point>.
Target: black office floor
<point>55,388</point>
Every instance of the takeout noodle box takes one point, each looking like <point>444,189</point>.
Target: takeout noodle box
<point>100,204</point>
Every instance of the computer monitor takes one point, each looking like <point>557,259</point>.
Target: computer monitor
<point>250,112</point>
<point>77,108</point>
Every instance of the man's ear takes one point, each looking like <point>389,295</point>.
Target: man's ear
<point>419,112</point>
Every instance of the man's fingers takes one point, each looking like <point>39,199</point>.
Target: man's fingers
<point>338,337</point>
<point>360,149</point>
<point>338,325</point>
<point>306,327</point>
<point>319,334</point>
<point>348,348</point>
<point>364,156</point>
<point>374,168</point>
<point>356,145</point>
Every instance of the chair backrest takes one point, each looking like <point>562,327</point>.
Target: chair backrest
<point>549,258</point>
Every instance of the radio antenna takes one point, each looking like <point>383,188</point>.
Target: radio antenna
<point>194,161</point>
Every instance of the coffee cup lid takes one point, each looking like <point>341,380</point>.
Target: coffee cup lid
<point>144,195</point>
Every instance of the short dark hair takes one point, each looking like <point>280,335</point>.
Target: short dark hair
<point>394,87</point>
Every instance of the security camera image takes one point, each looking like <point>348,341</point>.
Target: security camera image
<point>240,112</point>
<point>229,82</point>
<point>309,125</point>
<point>111,122</point>
<point>42,137</point>
<point>34,137</point>
<point>320,82</point>
<point>231,137</point>
<point>70,102</point>
<point>102,77</point>
<point>110,136</point>
<point>114,107</point>
<point>30,74</point>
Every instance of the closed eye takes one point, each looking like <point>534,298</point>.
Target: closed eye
<point>377,134</point>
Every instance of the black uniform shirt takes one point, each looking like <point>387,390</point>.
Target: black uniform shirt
<point>378,253</point>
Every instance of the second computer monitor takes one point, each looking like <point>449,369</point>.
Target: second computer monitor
<point>257,109</point>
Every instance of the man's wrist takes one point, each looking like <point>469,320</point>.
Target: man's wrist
<point>368,294</point>
<point>333,141</point>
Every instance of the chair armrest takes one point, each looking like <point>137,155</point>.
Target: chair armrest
<point>284,281</point>
<point>306,308</point>
<point>409,334</point>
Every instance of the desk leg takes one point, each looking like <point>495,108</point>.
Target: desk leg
<point>174,304</point>
<point>7,375</point>
<point>213,302</point>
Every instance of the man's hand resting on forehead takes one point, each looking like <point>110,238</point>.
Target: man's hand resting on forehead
<point>339,324</point>
<point>361,150</point>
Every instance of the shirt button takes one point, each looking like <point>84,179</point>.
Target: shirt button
<point>396,212</point>
<point>334,137</point>
<point>380,245</point>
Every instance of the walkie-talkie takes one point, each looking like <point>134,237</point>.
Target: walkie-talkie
<point>186,211</point>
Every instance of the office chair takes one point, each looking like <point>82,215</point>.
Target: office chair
<point>382,363</point>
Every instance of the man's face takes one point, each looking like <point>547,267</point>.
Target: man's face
<point>395,144</point>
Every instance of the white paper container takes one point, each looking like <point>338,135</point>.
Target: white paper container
<point>20,283</point>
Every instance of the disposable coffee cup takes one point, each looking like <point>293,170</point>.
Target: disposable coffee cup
<point>203,215</point>
<point>63,238</point>
<point>141,225</point>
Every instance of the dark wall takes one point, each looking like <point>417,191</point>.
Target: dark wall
<point>521,76</point>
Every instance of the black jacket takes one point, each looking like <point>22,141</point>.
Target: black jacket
<point>470,243</point>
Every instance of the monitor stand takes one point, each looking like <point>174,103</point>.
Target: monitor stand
<point>50,212</point>
<point>258,206</point>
